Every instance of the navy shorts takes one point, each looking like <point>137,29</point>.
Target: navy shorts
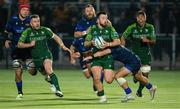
<point>22,54</point>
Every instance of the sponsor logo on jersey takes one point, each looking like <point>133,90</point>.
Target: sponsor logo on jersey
<point>146,30</point>
<point>106,31</point>
<point>95,33</point>
<point>37,38</point>
<point>32,34</point>
<point>135,31</point>
<point>42,32</point>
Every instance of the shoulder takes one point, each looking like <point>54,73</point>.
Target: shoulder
<point>28,30</point>
<point>45,28</point>
<point>81,21</point>
<point>93,27</point>
<point>28,19</point>
<point>132,25</point>
<point>13,19</point>
<point>149,25</point>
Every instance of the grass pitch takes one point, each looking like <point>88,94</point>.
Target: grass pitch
<point>78,93</point>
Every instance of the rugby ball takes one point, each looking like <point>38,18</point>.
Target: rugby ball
<point>99,42</point>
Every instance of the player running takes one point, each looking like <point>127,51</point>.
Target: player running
<point>78,49</point>
<point>36,38</point>
<point>105,63</point>
<point>14,27</point>
<point>142,35</point>
<point>132,65</point>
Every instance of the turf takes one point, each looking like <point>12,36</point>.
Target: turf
<point>78,93</point>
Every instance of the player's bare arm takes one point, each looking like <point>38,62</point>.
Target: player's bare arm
<point>7,42</point>
<point>98,54</point>
<point>60,42</point>
<point>122,41</point>
<point>74,55</point>
<point>89,43</point>
<point>78,34</point>
<point>146,40</point>
<point>115,42</point>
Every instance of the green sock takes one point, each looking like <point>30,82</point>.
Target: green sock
<point>54,81</point>
<point>141,86</point>
<point>101,93</point>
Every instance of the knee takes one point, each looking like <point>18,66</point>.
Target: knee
<point>121,81</point>
<point>109,81</point>
<point>48,69</point>
<point>138,76</point>
<point>118,76</point>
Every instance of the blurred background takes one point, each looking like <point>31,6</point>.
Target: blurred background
<point>62,15</point>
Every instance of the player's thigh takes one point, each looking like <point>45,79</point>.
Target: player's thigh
<point>48,66</point>
<point>123,72</point>
<point>109,75</point>
<point>96,71</point>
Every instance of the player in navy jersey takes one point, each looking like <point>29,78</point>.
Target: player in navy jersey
<point>132,65</point>
<point>77,46</point>
<point>14,27</point>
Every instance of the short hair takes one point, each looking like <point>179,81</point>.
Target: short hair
<point>141,12</point>
<point>34,16</point>
<point>101,13</point>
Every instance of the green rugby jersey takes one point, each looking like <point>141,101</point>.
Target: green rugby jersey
<point>107,33</point>
<point>40,36</point>
<point>135,33</point>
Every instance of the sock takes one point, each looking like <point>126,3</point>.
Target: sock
<point>127,91</point>
<point>54,81</point>
<point>149,86</point>
<point>102,77</point>
<point>19,87</point>
<point>141,86</point>
<point>48,79</point>
<point>101,93</point>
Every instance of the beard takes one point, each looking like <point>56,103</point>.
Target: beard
<point>23,15</point>
<point>103,25</point>
<point>90,16</point>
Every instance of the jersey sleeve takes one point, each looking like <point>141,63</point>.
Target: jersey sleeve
<point>152,33</point>
<point>79,27</point>
<point>23,36</point>
<point>74,42</point>
<point>114,34</point>
<point>49,33</point>
<point>127,32</point>
<point>89,36</point>
<point>9,26</point>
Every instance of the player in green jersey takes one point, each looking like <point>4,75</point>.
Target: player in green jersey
<point>142,35</point>
<point>106,63</point>
<point>36,38</point>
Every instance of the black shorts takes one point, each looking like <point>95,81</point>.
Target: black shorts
<point>22,54</point>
